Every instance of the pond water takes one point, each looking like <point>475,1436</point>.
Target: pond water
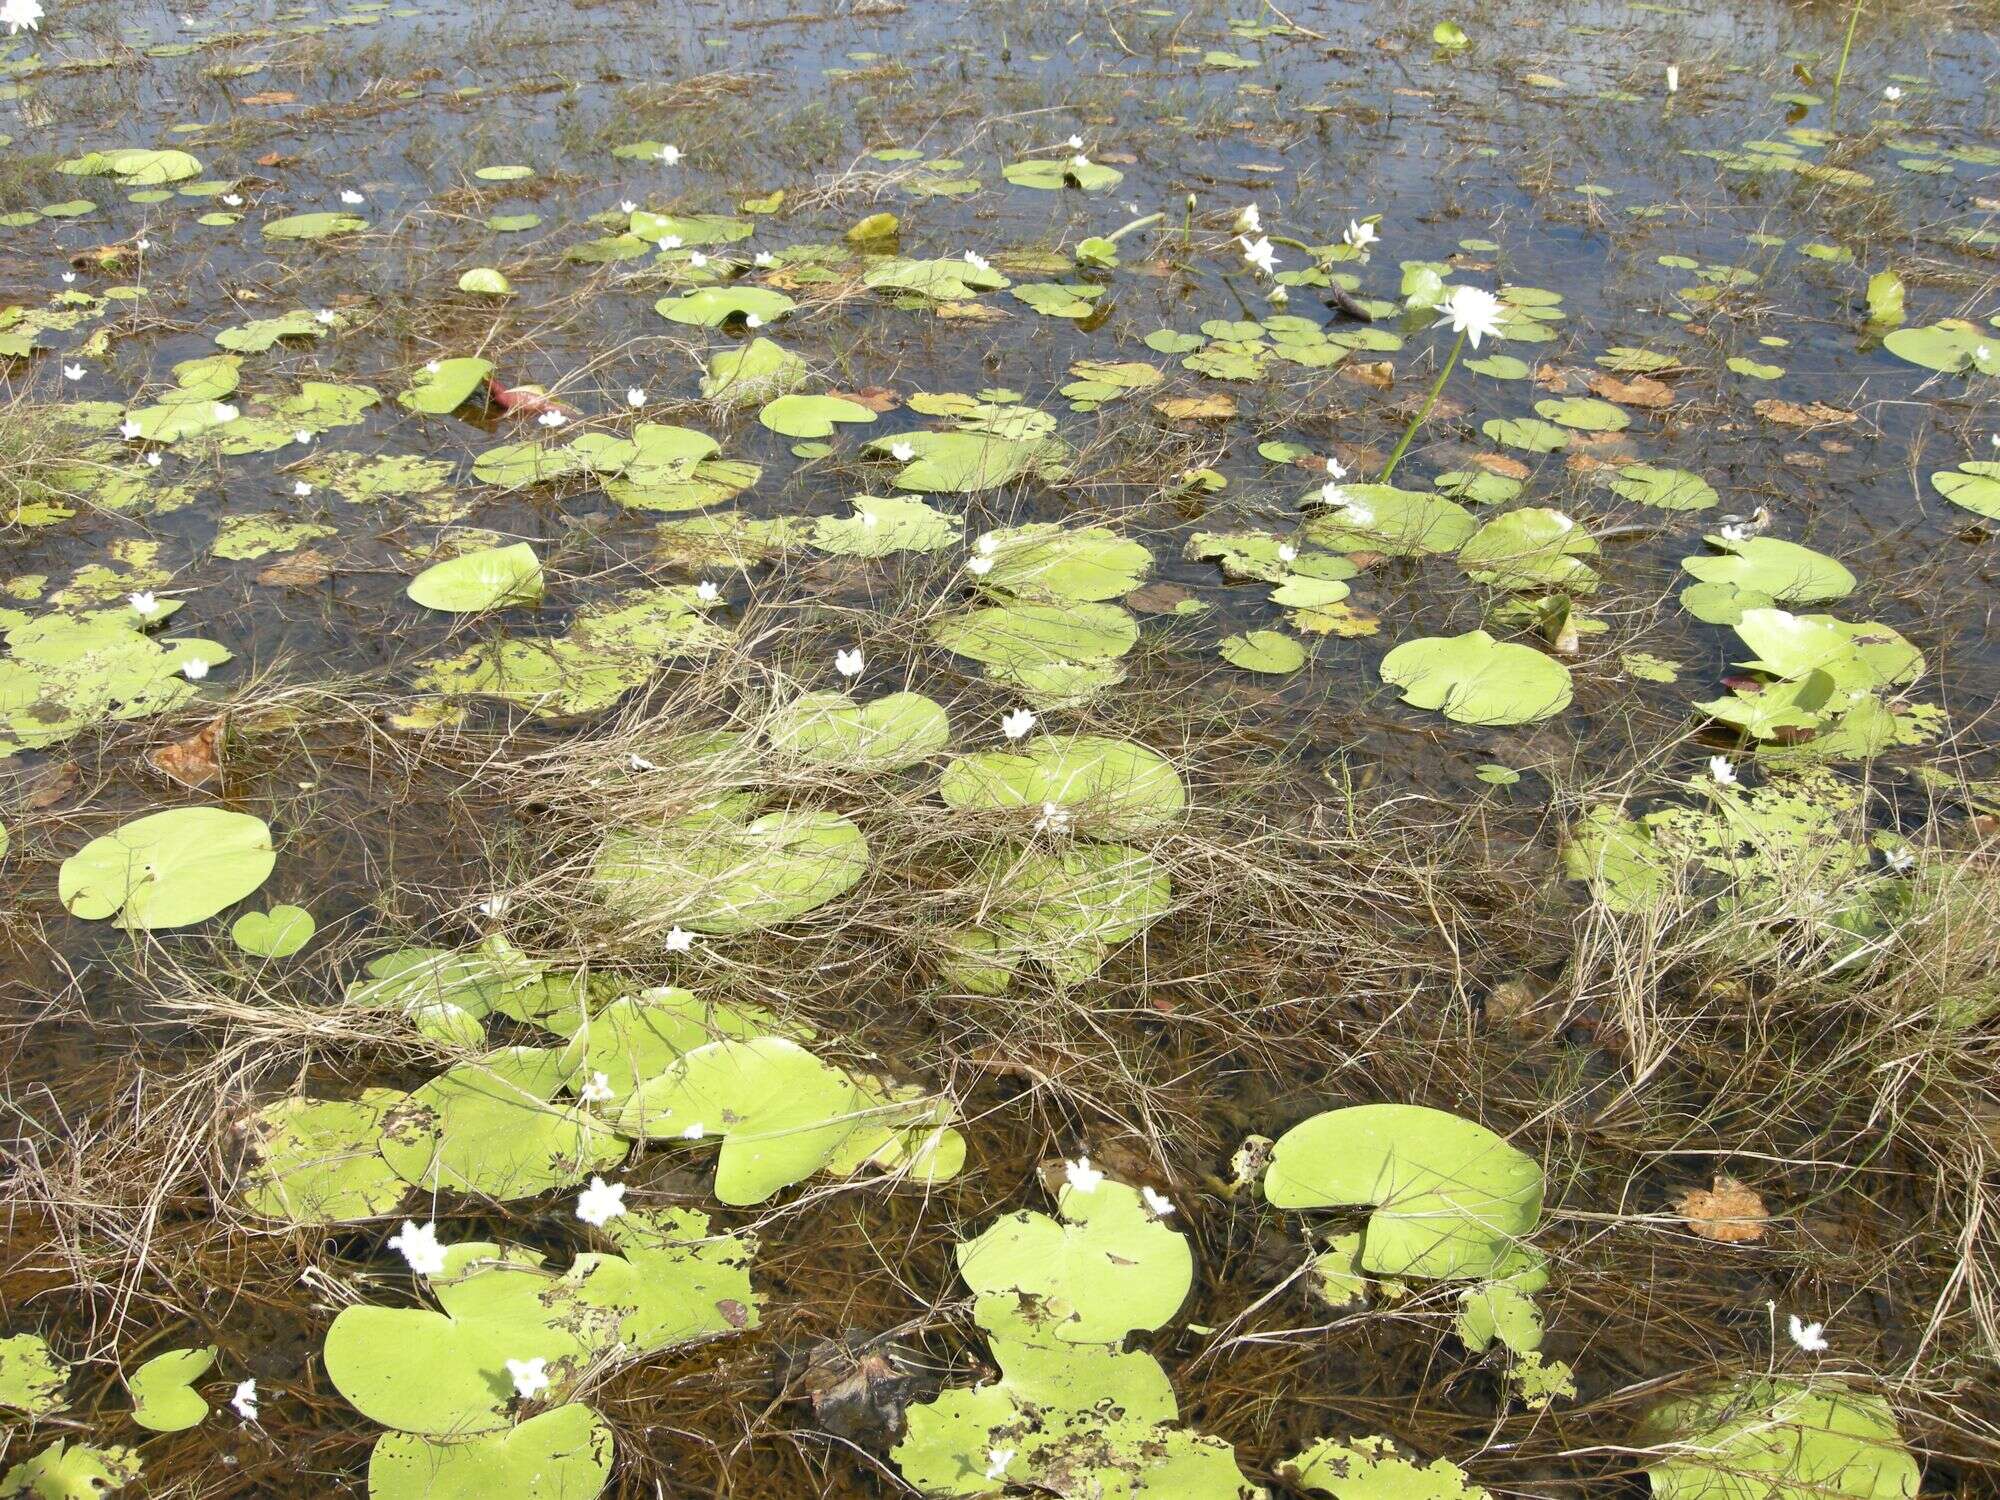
<point>447,444</point>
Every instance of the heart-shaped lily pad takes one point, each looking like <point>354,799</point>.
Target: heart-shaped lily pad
<point>1778,1440</point>
<point>723,872</point>
<point>713,306</point>
<point>163,1395</point>
<point>1474,679</point>
<point>1110,788</point>
<point>831,729</point>
<point>563,1454</point>
<point>447,387</point>
<point>886,524</point>
<point>490,578</point>
<point>31,1377</point>
<point>812,416</point>
<point>168,869</point>
<point>277,933</point>
<point>318,1161</point>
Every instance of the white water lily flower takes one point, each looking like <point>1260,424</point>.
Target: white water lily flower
<point>1259,253</point>
<point>639,762</point>
<point>1075,143</point>
<point>697,259</point>
<point>194,669</point>
<point>1334,493</point>
<point>848,663</point>
<point>1737,532</point>
<point>997,1460</point>
<point>670,242</point>
<point>1082,1176</point>
<point>1354,513</point>
<point>627,206</point>
<point>152,460</point>
<point>635,395</point>
<point>72,372</point>
<point>1053,818</point>
<point>751,320</point>
<point>142,244</point>
<point>671,155</point>
<point>1287,552</point>
<point>418,1245</point>
<point>301,488</point>
<point>551,418</point>
<point>1359,236</point>
<point>979,567</point>
<point>432,367</point>
<point>679,941</point>
<point>1810,1337</point>
<point>694,1132</point>
<point>596,1089</point>
<point>902,452</point>
<point>234,200</point>
<point>494,907</point>
<point>763,258</point>
<point>1018,723</point>
<point>1472,311</point>
<point>350,197</point>
<point>601,1202</point>
<point>1892,93</point>
<point>1160,1204</point>
<point>224,412</point>
<point>302,436</point>
<point>1278,296</point>
<point>245,1400</point>
<point>1248,221</point>
<point>19,14</point>
<point>530,1376</point>
<point>1720,769</point>
<point>1673,79</point>
<point>143,602</point>
<point>987,545</point>
<point>1899,861</point>
<point>68,277</point>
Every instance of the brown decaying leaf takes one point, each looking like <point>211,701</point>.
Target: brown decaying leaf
<point>194,761</point>
<point>1377,373</point>
<point>1791,414</point>
<point>1502,464</point>
<point>1640,390</point>
<point>270,96</point>
<point>1196,408</point>
<point>877,398</point>
<point>300,570</point>
<point>1729,1213</point>
<point>1157,598</point>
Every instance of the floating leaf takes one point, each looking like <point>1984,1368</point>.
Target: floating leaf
<point>1111,788</point>
<point>1268,651</point>
<point>447,387</point>
<point>1048,562</point>
<point>163,1394</point>
<point>722,872</point>
<point>563,1454</point>
<point>319,226</point>
<point>1782,1439</point>
<point>1973,486</point>
<point>316,1161</point>
<point>1663,489</point>
<point>63,1471</point>
<point>31,1377</point>
<point>832,730</point>
<point>490,578</point>
<point>168,869</point>
<point>278,933</point>
<point>812,416</point>
<point>884,525</point>
<point>713,306</point>
<point>1369,1468</point>
<point>1474,679</point>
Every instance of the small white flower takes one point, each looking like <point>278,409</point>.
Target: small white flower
<point>694,1132</point>
<point>869,520</point>
<point>1160,1204</point>
<point>68,277</point>
<point>1278,296</point>
<point>902,452</point>
<point>552,418</point>
<point>302,436</point>
<point>418,1244</point>
<point>194,669</point>
<point>1248,221</point>
<point>763,258</point>
<point>997,1460</point>
<point>1078,162</point>
<point>1018,723</point>
<point>1355,514</point>
<point>142,244</point>
<point>1899,861</point>
<point>977,261</point>
<point>234,200</point>
<point>639,762</point>
<point>1075,143</point>
<point>350,197</point>
<point>1082,1176</point>
<point>1259,253</point>
<point>697,259</point>
<point>848,663</point>
<point>432,367</point>
<point>1892,93</point>
<point>596,1089</point>
<point>143,603</point>
<point>1810,1337</point>
<point>1673,79</point>
<point>627,206</point>
<point>301,488</point>
<point>1359,236</point>
<point>493,908</point>
<point>671,155</point>
<point>1982,353</point>
<point>601,1202</point>
<point>1723,772</point>
<point>987,545</point>
<point>751,320</point>
<point>979,567</point>
<point>530,1376</point>
<point>245,1400</point>
<point>670,242</point>
<point>635,395</point>
<point>1287,552</point>
<point>152,460</point>
<point>679,941</point>
<point>224,412</point>
<point>707,592</point>
<point>1736,532</point>
<point>1336,469</point>
<point>1472,311</point>
<point>1053,818</point>
<point>72,372</point>
<point>21,13</point>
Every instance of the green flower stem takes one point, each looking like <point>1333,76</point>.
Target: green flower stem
<point>1840,73</point>
<point>1423,411</point>
<point>1118,234</point>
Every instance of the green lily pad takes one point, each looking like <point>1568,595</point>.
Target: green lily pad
<point>168,869</point>
<point>1532,548</point>
<point>1268,651</point>
<point>1017,637</point>
<point>65,1471</point>
<point>316,1161</point>
<point>448,387</point>
<point>1111,788</point>
<point>884,525</point>
<point>1451,1199</point>
<point>1663,489</point>
<point>260,334</point>
<point>722,872</point>
<point>163,1395</point>
<point>1781,1439</point>
<point>320,226</point>
<point>1973,486</point>
<point>1758,572</point>
<point>277,933</point>
<point>1474,679</point>
<point>1530,434</point>
<point>831,729</point>
<point>563,1454</point>
<point>758,371</point>
<point>490,578</point>
<point>1046,562</point>
<point>1584,413</point>
<point>1951,346</point>
<point>1382,518</point>
<point>812,416</point>
<point>713,306</point>
<point>1370,1468</point>
<point>31,1377</point>
<point>1063,171</point>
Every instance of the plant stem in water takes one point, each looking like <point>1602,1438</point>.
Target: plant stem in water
<point>1422,411</point>
<point>1840,73</point>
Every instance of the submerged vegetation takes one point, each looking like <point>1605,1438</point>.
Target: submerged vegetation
<point>976,749</point>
